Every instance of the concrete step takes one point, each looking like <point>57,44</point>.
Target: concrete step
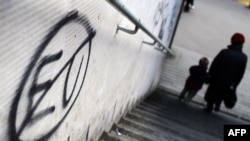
<point>175,71</point>
<point>112,136</point>
<point>167,126</point>
<point>148,129</point>
<point>163,98</point>
<point>177,120</point>
<point>133,132</point>
<point>162,117</point>
<point>173,112</point>
<point>159,125</point>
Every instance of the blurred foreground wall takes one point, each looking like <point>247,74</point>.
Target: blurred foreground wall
<point>66,74</point>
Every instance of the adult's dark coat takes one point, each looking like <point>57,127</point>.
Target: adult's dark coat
<point>226,70</point>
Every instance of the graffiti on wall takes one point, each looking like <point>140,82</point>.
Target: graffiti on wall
<point>52,81</point>
<point>161,16</point>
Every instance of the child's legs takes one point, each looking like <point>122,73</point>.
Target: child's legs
<point>191,95</point>
<point>183,93</point>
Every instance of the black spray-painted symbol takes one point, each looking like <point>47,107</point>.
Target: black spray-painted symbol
<point>52,81</point>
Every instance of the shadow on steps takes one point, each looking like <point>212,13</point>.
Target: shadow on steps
<point>162,117</point>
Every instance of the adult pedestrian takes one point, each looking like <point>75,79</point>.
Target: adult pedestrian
<point>189,4</point>
<point>226,71</point>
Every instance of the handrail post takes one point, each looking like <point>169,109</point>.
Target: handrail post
<point>121,7</point>
<point>127,30</point>
<point>149,43</point>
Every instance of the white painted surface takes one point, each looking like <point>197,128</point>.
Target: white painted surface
<point>119,72</point>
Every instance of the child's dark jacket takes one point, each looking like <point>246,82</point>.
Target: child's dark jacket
<point>198,76</point>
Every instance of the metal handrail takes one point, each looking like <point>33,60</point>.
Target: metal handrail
<point>121,7</point>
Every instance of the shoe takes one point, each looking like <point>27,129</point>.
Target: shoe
<point>217,109</point>
<point>207,110</point>
<point>191,6</point>
<point>181,99</point>
<point>186,9</point>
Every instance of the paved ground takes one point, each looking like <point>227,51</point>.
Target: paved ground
<point>208,28</point>
<point>204,32</point>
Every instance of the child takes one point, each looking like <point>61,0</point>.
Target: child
<point>198,76</point>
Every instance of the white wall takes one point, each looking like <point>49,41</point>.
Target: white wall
<point>65,72</point>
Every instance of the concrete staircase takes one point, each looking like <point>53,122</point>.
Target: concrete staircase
<point>162,117</point>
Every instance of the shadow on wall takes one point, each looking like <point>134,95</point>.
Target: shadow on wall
<point>32,93</point>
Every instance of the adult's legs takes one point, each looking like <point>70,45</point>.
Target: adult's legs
<point>186,7</point>
<point>210,106</point>
<point>217,105</point>
<point>191,2</point>
<point>211,96</point>
<point>213,105</point>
